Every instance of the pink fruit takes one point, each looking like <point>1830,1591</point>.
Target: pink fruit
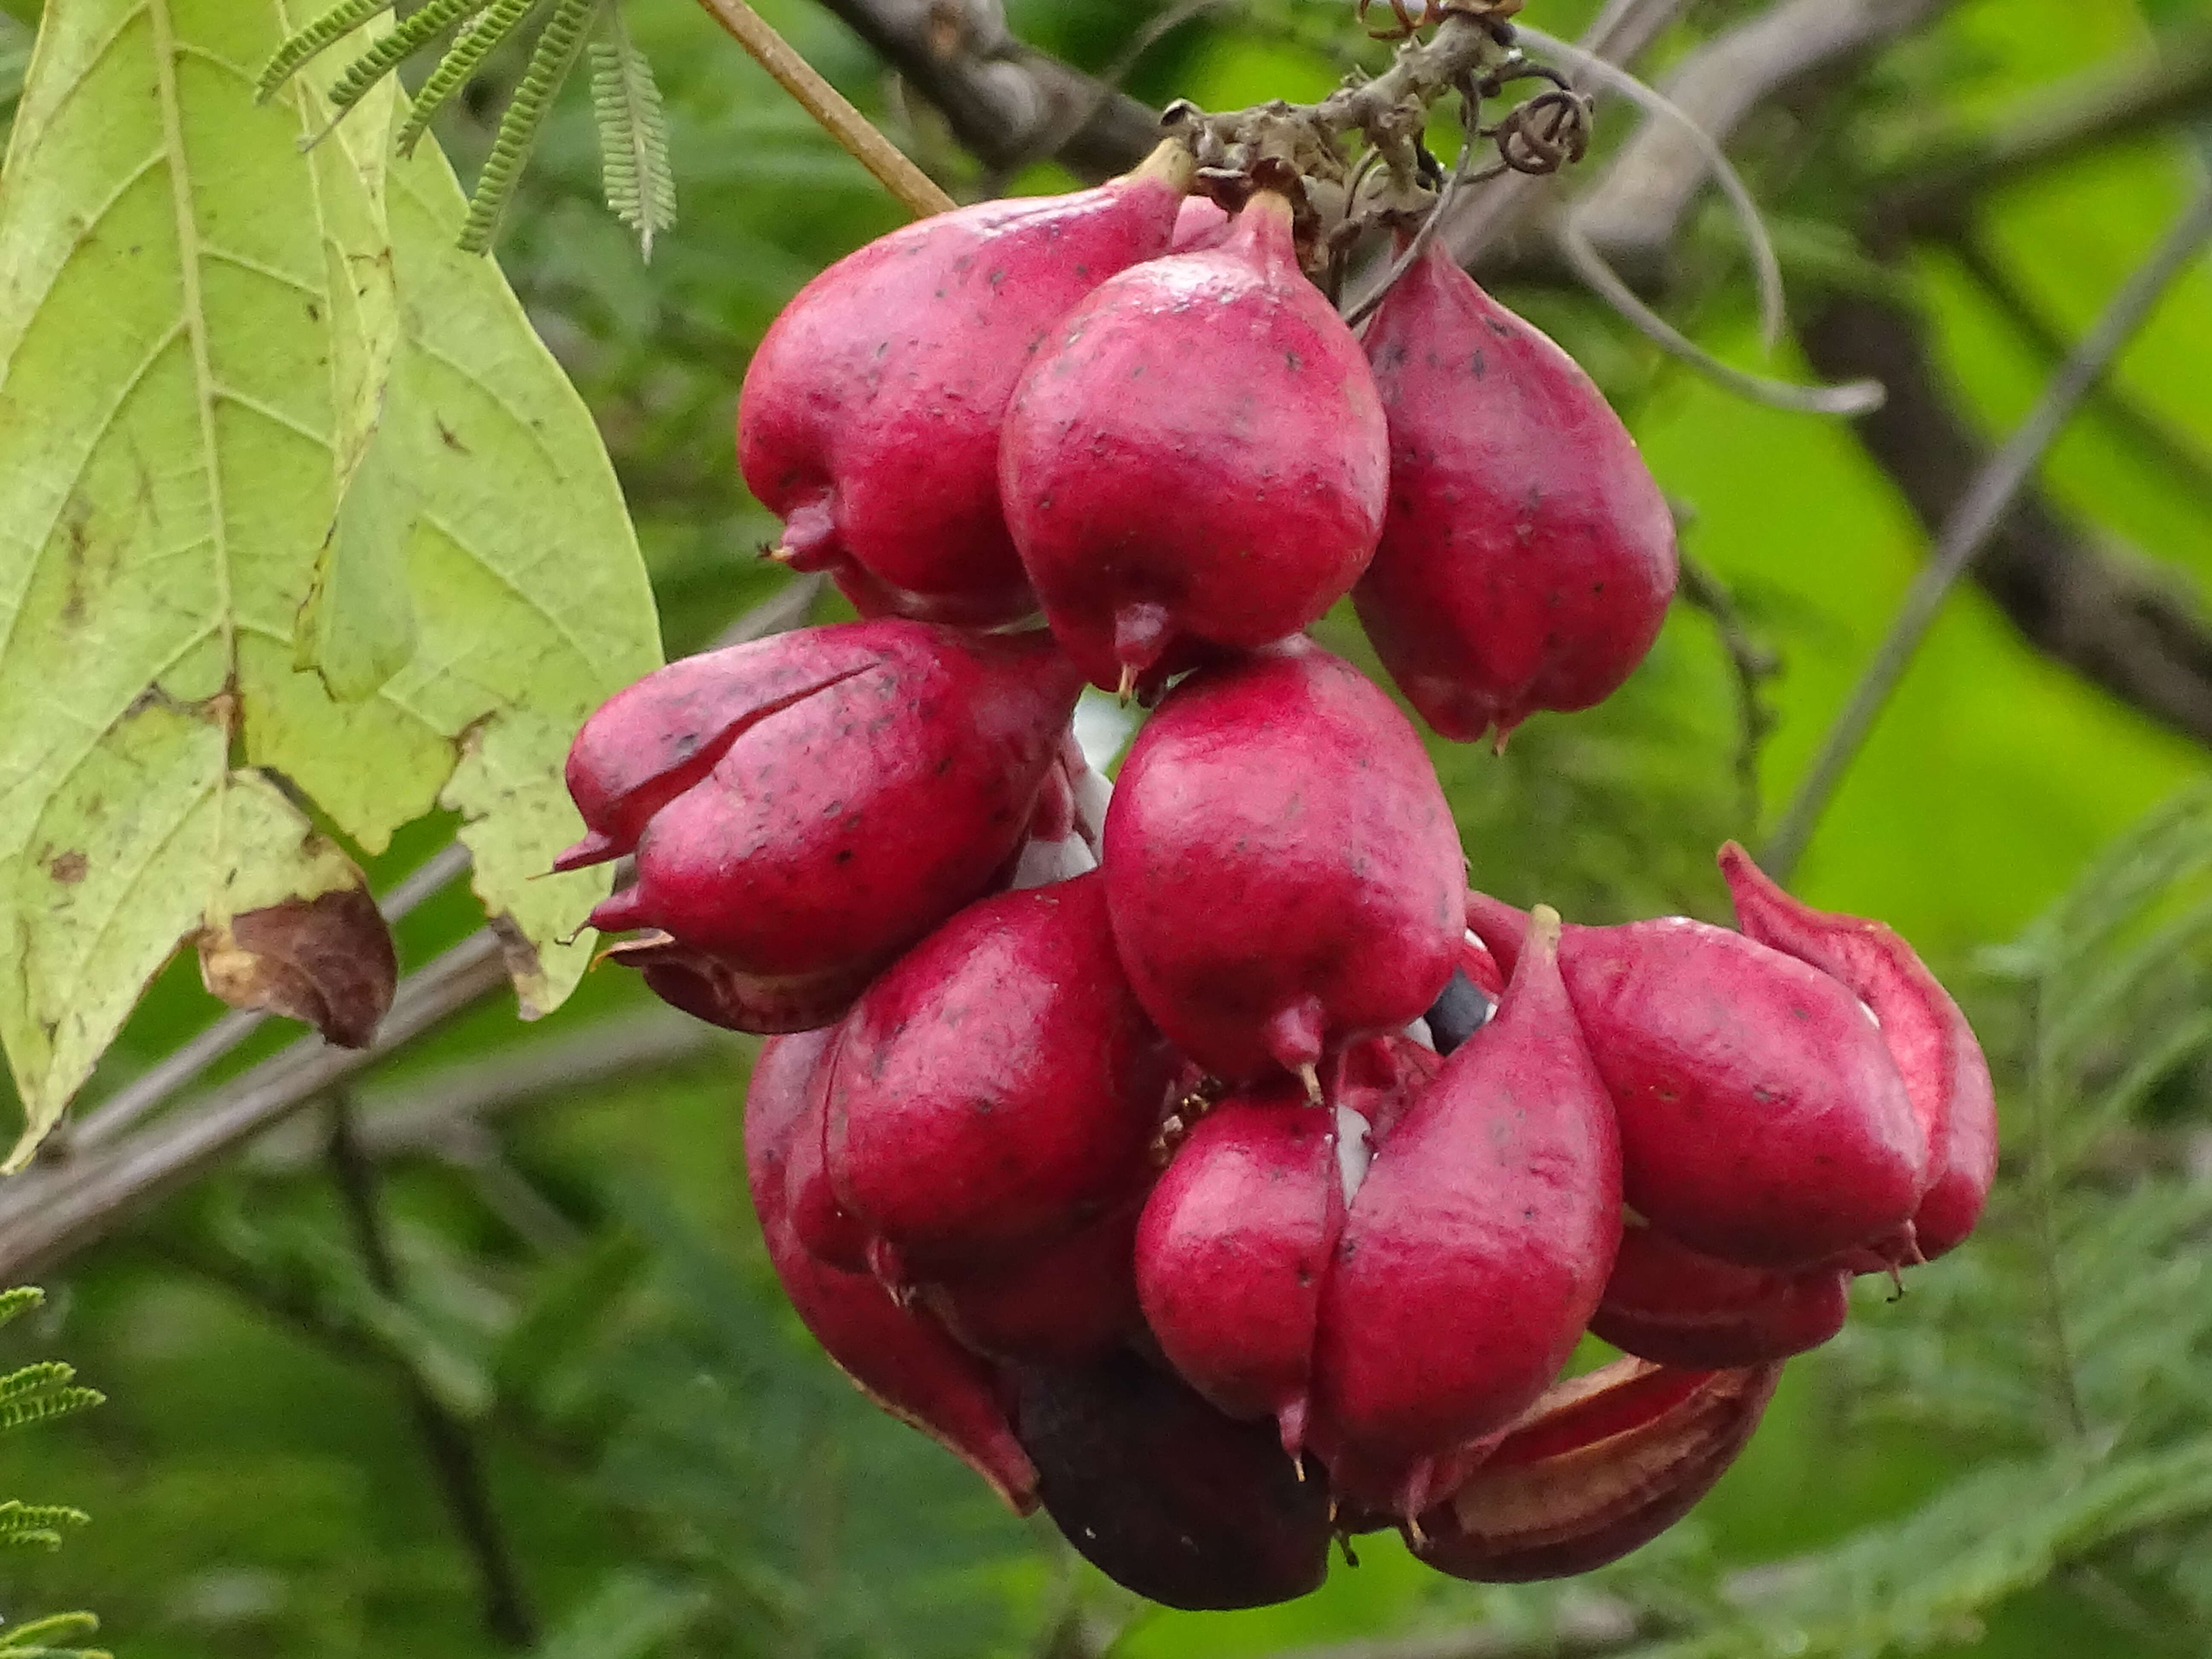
<point>1166,1496</point>
<point>1928,1036</point>
<point>1232,1250</point>
<point>1196,462</point>
<point>1528,558</point>
<point>1666,1303</point>
<point>1603,1466</point>
<point>906,1365</point>
<point>996,1088</point>
<point>870,418</point>
<point>805,808</point>
<point>1065,1302</point>
<point>1475,1250</point>
<point>1280,864</point>
<point>1761,1118</point>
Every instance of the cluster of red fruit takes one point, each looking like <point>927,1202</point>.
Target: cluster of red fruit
<point>1255,1186</point>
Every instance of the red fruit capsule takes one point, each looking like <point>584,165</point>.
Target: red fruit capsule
<point>1196,462</point>
<point>1232,1250</point>
<point>806,807</point>
<point>996,1088</point>
<point>1281,866</point>
<point>1667,1302</point>
<point>1762,1120</point>
<point>1475,1251</point>
<point>871,412</point>
<point>1528,558</point>
<point>1061,1304</point>
<point>1604,1465</point>
<point>905,1364</point>
<point>1928,1036</point>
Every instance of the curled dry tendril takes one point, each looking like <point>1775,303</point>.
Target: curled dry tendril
<point>1407,24</point>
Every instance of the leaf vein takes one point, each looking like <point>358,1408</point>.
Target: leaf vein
<point>262,268</point>
<point>270,412</point>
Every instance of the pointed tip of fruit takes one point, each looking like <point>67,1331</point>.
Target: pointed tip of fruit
<point>1543,938</point>
<point>1746,880</point>
<point>1296,1038</point>
<point>619,913</point>
<point>1291,1424</point>
<point>594,848</point>
<point>1141,634</point>
<point>809,536</point>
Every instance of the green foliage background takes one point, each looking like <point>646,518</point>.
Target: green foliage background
<point>2015,1460</point>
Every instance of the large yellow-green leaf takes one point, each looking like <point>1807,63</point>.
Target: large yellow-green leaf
<point>205,336</point>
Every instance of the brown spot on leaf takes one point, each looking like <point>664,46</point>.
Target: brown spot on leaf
<point>327,960</point>
<point>68,868</point>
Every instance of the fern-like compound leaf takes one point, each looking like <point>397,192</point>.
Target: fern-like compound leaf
<point>640,188</point>
<point>43,1408</point>
<point>43,1637</point>
<point>551,61</point>
<point>409,37</point>
<point>42,1379</point>
<point>475,43</point>
<point>38,1526</point>
<point>21,1300</point>
<point>333,26</point>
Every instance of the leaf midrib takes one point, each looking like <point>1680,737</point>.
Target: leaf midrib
<point>195,322</point>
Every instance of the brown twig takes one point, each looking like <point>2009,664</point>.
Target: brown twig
<point>447,1112</point>
<point>853,130</point>
<point>997,94</point>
